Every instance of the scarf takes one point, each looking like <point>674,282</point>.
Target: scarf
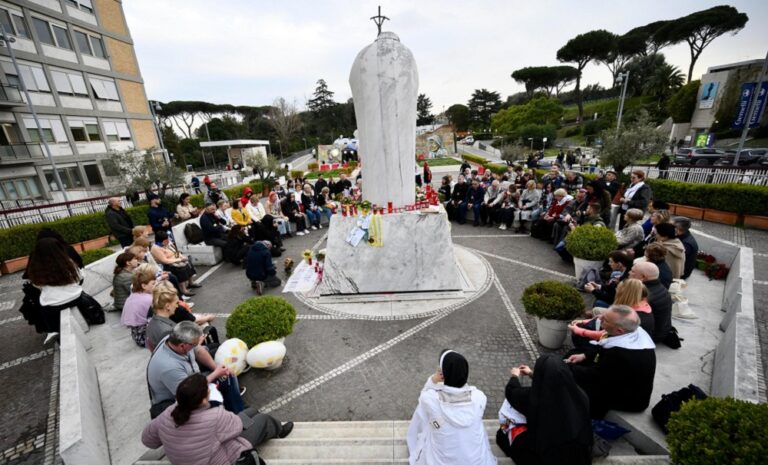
<point>633,190</point>
<point>636,340</point>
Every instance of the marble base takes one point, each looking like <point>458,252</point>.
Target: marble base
<point>416,256</point>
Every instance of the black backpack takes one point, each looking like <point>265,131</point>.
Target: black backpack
<point>672,402</point>
<point>193,233</point>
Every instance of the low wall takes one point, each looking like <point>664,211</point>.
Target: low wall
<point>737,355</point>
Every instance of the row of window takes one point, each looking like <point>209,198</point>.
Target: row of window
<point>67,82</point>
<point>28,188</point>
<point>51,33</point>
<point>52,129</point>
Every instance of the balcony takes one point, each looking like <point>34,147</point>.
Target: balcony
<point>20,153</point>
<point>10,96</point>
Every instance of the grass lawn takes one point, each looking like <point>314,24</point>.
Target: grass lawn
<point>440,161</point>
<point>326,174</point>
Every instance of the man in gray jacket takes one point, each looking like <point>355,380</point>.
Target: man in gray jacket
<point>119,222</point>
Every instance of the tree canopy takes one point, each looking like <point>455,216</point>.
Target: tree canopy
<point>592,45</point>
<point>699,29</point>
<point>549,78</point>
<point>423,107</point>
<point>637,140</point>
<point>538,111</point>
<point>482,105</point>
<point>322,98</point>
<point>682,104</point>
<point>458,116</point>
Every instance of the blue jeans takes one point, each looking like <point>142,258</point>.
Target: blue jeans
<point>313,216</point>
<point>327,212</point>
<point>463,207</point>
<point>230,391</point>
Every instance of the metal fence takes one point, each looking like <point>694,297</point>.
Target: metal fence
<point>708,175</point>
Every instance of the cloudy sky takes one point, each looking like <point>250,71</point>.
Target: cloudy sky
<point>248,52</point>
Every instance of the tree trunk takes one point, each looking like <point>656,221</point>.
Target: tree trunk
<point>579,102</point>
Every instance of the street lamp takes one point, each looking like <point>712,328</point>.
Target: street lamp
<point>305,142</point>
<point>531,139</point>
<point>8,40</point>
<point>280,146</point>
<point>621,78</point>
<point>154,107</point>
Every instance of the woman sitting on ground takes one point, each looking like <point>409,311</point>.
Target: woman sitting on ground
<point>126,264</point>
<point>291,211</point>
<point>620,263</point>
<point>274,208</point>
<point>194,432</point>
<point>447,426</point>
<point>548,422</point>
<point>184,209</point>
<point>632,233</point>
<point>136,310</point>
<point>58,278</point>
<point>166,255</point>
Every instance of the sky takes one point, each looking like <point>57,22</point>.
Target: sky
<point>250,52</point>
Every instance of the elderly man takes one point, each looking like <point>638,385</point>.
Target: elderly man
<point>214,232</point>
<point>490,203</point>
<point>619,374</point>
<point>658,298</point>
<point>683,230</point>
<point>174,359</point>
<point>554,178</point>
<point>573,182</point>
<point>473,200</point>
<point>120,224</point>
<point>214,194</point>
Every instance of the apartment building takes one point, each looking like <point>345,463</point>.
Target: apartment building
<point>77,60</point>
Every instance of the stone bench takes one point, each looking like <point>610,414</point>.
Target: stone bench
<point>199,254</point>
<point>97,278</point>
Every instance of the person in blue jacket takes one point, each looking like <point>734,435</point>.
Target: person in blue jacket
<point>159,216</point>
<point>474,200</point>
<point>259,267</point>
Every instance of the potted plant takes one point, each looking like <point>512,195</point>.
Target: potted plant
<point>590,246</point>
<point>262,319</point>
<point>554,304</point>
<point>716,430</point>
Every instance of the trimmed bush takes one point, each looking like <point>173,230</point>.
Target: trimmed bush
<point>90,256</point>
<point>261,319</point>
<point>735,198</point>
<point>589,242</point>
<point>718,431</point>
<point>553,300</point>
<point>313,166</point>
<point>297,174</point>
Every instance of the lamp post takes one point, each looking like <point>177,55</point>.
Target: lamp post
<point>622,78</point>
<point>154,107</point>
<point>280,146</point>
<point>305,142</point>
<point>8,40</point>
<point>531,139</point>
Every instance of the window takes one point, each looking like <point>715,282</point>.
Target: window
<point>5,20</point>
<point>53,130</point>
<point>52,34</point>
<point>70,177</point>
<point>84,5</point>
<point>116,131</point>
<point>21,26</point>
<point>104,89</point>
<point>93,175</point>
<point>13,23</point>
<point>90,45</point>
<point>22,188</point>
<point>69,82</point>
<point>9,134</point>
<point>84,129</point>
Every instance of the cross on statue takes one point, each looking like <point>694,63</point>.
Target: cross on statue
<point>379,20</point>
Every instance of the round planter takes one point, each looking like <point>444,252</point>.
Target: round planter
<point>581,265</point>
<point>552,333</point>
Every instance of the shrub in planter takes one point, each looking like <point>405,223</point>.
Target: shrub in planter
<point>90,256</point>
<point>589,242</point>
<point>260,319</point>
<point>716,430</point>
<point>314,166</point>
<point>553,300</point>
<point>297,174</point>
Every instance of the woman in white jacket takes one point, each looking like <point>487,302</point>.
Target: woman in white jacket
<point>447,426</point>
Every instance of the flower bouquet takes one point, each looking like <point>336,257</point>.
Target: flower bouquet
<point>307,254</point>
<point>717,271</point>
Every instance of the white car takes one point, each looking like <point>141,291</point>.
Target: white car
<point>469,140</point>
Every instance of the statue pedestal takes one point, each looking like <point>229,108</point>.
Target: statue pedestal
<point>416,256</point>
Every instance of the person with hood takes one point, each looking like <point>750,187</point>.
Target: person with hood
<point>447,426</point>
<point>259,267</point>
<point>665,235</point>
<point>246,197</point>
<point>548,422</point>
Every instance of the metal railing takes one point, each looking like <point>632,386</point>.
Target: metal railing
<point>710,175</point>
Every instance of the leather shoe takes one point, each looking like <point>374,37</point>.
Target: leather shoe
<point>286,430</point>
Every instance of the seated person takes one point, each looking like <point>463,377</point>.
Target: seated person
<point>274,208</point>
<point>683,231</point>
<point>310,207</point>
<point>490,204</point>
<point>542,228</point>
<point>653,207</point>
<point>197,431</point>
<point>458,195</point>
<point>573,213</point>
<point>184,209</point>
<point>620,264</point>
<point>325,203</point>
<point>255,208</point>
<point>632,232</point>
<point>125,264</point>
<point>507,207</point>
<point>547,422</point>
<point>138,305</point>
<point>259,267</point>
<point>665,235</point>
<point>634,294</point>
<point>529,201</point>
<point>237,246</point>
<point>165,254</point>
<point>474,201</point>
<point>290,209</point>
<point>213,227</point>
<point>240,215</point>
<point>224,213</point>
<point>620,375</point>
<point>658,298</point>
<point>448,404</point>
<point>657,254</point>
<point>268,229</point>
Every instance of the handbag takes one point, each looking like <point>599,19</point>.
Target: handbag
<point>91,310</point>
<point>672,402</point>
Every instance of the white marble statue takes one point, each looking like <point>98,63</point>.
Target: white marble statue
<point>385,85</point>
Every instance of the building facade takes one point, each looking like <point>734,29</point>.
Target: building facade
<point>77,60</point>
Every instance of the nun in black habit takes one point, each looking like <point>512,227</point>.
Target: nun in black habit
<point>555,412</point>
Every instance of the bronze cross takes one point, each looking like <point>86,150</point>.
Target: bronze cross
<point>379,20</point>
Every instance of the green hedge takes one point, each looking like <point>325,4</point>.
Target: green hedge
<point>589,242</point>
<point>715,431</point>
<point>493,167</point>
<point>232,193</point>
<point>736,198</point>
<point>90,256</point>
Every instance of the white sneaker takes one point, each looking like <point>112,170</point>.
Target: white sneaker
<point>190,304</point>
<point>50,337</point>
<point>300,233</point>
<point>321,226</point>
<point>503,227</point>
<point>185,298</point>
<point>306,231</point>
<point>314,228</point>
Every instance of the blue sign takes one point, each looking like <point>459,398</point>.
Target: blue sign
<point>747,92</point>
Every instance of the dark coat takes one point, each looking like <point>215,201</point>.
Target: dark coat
<point>211,226</point>
<point>459,192</point>
<point>607,291</point>
<point>619,378</point>
<point>320,184</point>
<point>258,263</point>
<point>661,307</point>
<point>691,250</point>
<point>156,217</point>
<point>475,196</point>
<point>641,198</point>
<point>119,222</point>
<point>665,274</point>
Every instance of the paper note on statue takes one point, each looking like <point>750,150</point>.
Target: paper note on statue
<point>303,279</point>
<point>355,236</point>
<point>366,222</point>
<point>214,394</point>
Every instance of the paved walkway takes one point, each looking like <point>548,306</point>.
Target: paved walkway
<point>339,369</point>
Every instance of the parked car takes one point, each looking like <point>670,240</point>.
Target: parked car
<point>469,140</point>
<point>697,156</point>
<point>747,157</point>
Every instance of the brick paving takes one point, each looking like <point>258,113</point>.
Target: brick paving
<point>383,385</point>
